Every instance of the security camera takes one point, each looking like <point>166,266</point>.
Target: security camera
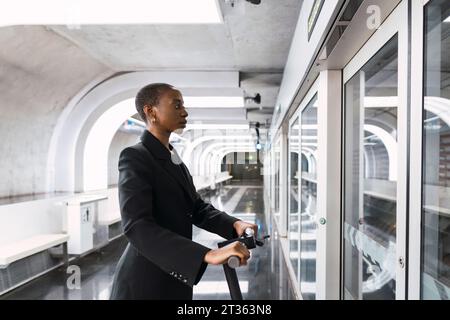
<point>240,3</point>
<point>256,99</point>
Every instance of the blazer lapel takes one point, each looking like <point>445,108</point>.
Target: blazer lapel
<point>186,174</point>
<point>177,174</point>
<point>161,152</point>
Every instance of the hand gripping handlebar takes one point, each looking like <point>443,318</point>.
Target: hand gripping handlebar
<point>248,239</point>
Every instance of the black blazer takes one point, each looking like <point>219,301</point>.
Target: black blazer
<point>158,205</point>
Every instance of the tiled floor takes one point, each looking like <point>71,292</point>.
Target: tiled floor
<point>263,279</point>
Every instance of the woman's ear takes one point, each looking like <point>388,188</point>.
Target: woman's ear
<point>150,113</point>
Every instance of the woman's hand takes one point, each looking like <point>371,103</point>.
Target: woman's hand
<point>240,227</point>
<point>221,255</point>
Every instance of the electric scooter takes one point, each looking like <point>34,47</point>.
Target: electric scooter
<point>249,240</point>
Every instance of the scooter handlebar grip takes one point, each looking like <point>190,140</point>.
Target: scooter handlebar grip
<point>233,262</point>
<point>249,232</point>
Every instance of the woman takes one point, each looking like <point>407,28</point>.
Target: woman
<point>159,204</point>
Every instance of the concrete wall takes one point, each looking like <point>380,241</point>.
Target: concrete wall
<point>39,73</point>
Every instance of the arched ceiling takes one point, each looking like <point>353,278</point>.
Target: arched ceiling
<point>254,40</point>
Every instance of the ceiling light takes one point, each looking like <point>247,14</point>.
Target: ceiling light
<point>88,12</point>
<point>213,97</point>
<point>199,126</point>
<point>136,122</point>
<point>214,102</point>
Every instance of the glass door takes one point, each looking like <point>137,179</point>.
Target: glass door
<point>302,222</point>
<point>295,156</point>
<point>375,165</point>
<point>435,213</point>
<point>308,211</point>
<point>276,179</point>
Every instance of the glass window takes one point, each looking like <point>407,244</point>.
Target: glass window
<point>308,207</point>
<point>302,195</point>
<point>436,153</point>
<point>269,171</point>
<point>277,164</point>
<point>370,195</point>
<point>294,196</point>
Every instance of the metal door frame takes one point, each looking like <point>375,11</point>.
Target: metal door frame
<point>395,24</point>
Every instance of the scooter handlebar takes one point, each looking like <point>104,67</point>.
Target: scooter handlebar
<point>248,239</point>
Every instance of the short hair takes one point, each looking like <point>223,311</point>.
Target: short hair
<point>150,95</point>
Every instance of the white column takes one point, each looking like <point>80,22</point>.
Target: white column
<point>415,195</point>
<point>329,185</point>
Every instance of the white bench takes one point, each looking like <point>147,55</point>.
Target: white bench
<point>201,182</point>
<point>205,182</point>
<point>110,220</point>
<point>29,246</point>
<point>222,177</point>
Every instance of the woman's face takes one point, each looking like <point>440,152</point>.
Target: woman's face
<point>170,112</point>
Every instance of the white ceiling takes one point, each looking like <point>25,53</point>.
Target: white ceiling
<point>254,40</point>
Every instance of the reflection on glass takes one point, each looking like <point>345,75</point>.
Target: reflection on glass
<point>268,176</point>
<point>294,196</point>
<point>436,154</point>
<point>371,177</point>
<point>302,198</point>
<point>308,217</point>
<point>277,163</point>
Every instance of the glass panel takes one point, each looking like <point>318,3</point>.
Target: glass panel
<point>294,196</point>
<point>272,180</point>
<point>308,217</point>
<point>371,177</point>
<point>277,163</point>
<point>436,154</point>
